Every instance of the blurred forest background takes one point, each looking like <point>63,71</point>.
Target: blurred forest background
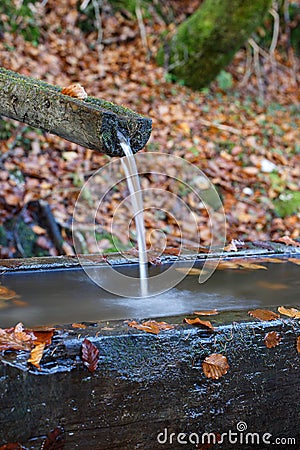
<point>241,130</point>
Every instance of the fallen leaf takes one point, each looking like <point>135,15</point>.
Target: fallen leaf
<point>15,338</point>
<point>288,241</point>
<point>294,261</point>
<point>7,294</point>
<point>223,265</point>
<point>22,334</point>
<point>231,247</point>
<point>263,314</point>
<point>150,326</point>
<point>212,312</point>
<point>78,325</point>
<point>251,266</point>
<point>298,344</point>
<point>272,286</point>
<point>189,271</point>
<point>290,312</point>
<point>20,303</point>
<point>55,440</point>
<point>215,366</point>
<point>272,339</point>
<point>89,355</point>
<point>38,230</point>
<point>12,446</point>
<point>43,335</point>
<point>36,355</point>
<point>199,323</point>
<point>75,90</point>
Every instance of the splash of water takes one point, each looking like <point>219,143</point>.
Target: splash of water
<point>133,183</point>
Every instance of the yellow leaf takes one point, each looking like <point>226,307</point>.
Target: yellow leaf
<point>290,312</point>
<point>36,355</point>
<point>215,366</point>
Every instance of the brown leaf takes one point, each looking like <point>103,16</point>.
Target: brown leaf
<point>272,339</point>
<point>43,335</point>
<point>298,344</point>
<point>274,286</point>
<point>55,440</point>
<point>78,325</point>
<point>15,339</point>
<point>189,271</point>
<point>199,323</point>
<point>215,366</point>
<point>12,446</point>
<point>294,261</point>
<point>251,266</point>
<point>75,90</point>
<point>36,355</point>
<point>150,326</point>
<point>7,294</point>
<point>290,312</point>
<point>89,355</point>
<point>288,241</point>
<point>263,314</point>
<point>212,312</point>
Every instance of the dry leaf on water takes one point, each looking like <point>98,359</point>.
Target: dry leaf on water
<point>290,312</point>
<point>89,355</point>
<point>7,294</point>
<point>150,326</point>
<point>215,366</point>
<point>75,90</point>
<point>36,355</point>
<point>272,339</point>
<point>212,312</point>
<point>294,261</point>
<point>298,344</point>
<point>263,314</point>
<point>78,325</point>
<point>272,286</point>
<point>288,241</point>
<point>55,440</point>
<point>199,323</point>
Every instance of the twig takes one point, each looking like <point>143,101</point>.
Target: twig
<point>248,66</point>
<point>139,15</point>
<point>273,45</point>
<point>257,69</point>
<point>97,4</point>
<point>220,126</point>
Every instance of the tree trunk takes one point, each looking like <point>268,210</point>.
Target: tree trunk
<point>93,123</point>
<point>207,41</point>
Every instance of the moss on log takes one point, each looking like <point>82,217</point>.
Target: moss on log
<point>92,123</point>
<point>207,41</point>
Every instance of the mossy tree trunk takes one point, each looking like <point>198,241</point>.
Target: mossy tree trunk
<point>207,41</point>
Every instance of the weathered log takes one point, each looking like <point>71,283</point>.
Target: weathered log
<point>92,122</point>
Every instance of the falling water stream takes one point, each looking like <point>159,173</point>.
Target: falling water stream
<point>133,182</point>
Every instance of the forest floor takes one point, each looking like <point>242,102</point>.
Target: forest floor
<point>242,132</point>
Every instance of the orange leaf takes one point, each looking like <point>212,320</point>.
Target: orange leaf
<point>212,312</point>
<point>272,339</point>
<point>288,241</point>
<point>36,355</point>
<point>7,294</point>
<point>263,314</point>
<point>89,355</point>
<point>199,323</point>
<point>78,325</point>
<point>290,312</point>
<point>215,366</point>
<point>298,344</point>
<point>43,335</point>
<point>151,326</point>
<point>251,266</point>
<point>294,261</point>
<point>268,285</point>
<point>21,334</point>
<point>12,446</point>
<point>75,90</point>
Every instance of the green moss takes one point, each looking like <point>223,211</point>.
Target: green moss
<point>207,41</point>
<point>287,203</point>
